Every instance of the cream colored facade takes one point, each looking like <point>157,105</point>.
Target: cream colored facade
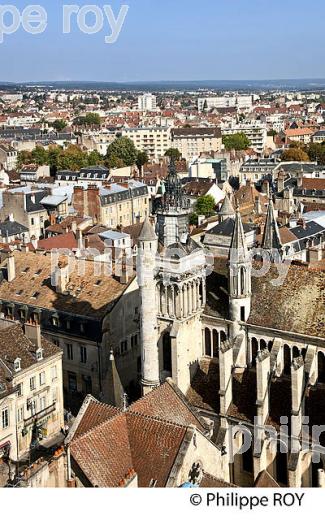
<point>36,402</point>
<point>155,141</point>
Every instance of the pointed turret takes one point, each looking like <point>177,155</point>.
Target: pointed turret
<point>238,249</point>
<point>240,269</point>
<point>115,390</point>
<point>227,210</point>
<point>271,237</point>
<point>147,233</point>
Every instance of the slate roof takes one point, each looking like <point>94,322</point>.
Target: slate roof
<point>9,228</point>
<point>226,228</point>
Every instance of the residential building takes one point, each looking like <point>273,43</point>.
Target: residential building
<point>154,141</point>
<point>24,205</point>
<point>31,391</point>
<point>192,142</point>
<point>113,205</point>
<point>147,103</point>
<point>255,132</point>
<point>8,157</point>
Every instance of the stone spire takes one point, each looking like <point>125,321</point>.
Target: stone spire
<point>271,237</point>
<point>147,233</point>
<point>115,390</point>
<point>227,209</point>
<point>238,249</point>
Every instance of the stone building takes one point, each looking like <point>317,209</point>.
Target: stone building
<point>31,397</point>
<point>247,351</point>
<point>83,310</point>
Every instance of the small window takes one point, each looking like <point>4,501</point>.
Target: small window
<point>55,321</point>
<point>42,403</point>
<point>35,295</point>
<point>20,414</point>
<point>39,354</point>
<point>83,354</point>
<point>124,347</point>
<point>42,378</point>
<point>70,351</point>
<point>5,418</point>
<point>54,374</point>
<point>32,383</point>
<point>17,365</point>
<point>20,390</point>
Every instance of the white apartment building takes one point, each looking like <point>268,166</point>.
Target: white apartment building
<point>147,102</point>
<point>155,141</point>
<point>255,132</point>
<point>191,142</point>
<point>240,102</point>
<point>31,389</point>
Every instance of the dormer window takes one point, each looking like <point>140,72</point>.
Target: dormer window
<point>17,365</point>
<point>39,354</point>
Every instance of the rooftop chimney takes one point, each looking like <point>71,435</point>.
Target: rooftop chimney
<point>62,277</point>
<point>11,268</point>
<point>33,333</point>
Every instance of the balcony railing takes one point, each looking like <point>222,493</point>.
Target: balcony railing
<point>40,415</point>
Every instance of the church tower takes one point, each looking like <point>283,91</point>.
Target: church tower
<point>146,270</point>
<point>240,269</point>
<point>173,213</point>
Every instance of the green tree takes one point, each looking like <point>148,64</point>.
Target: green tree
<point>59,125</point>
<point>89,119</point>
<point>73,158</point>
<point>193,220</point>
<point>205,205</point>
<point>294,154</point>
<point>316,152</point>
<point>272,133</point>
<point>95,158</point>
<point>141,160</point>
<point>173,153</point>
<point>124,150</point>
<point>237,141</point>
<point>40,156</point>
<point>24,157</point>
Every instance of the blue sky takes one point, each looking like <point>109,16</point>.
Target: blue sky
<point>175,40</point>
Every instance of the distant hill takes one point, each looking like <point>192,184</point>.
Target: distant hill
<point>160,86</point>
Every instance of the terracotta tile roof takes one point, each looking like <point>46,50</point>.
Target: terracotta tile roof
<point>313,184</point>
<point>85,296</point>
<point>168,403</point>
<point>209,481</point>
<point>298,305</point>
<point>106,452</point>
<point>64,241</point>
<point>265,480</point>
<point>94,414</point>
<point>14,344</point>
<point>294,132</point>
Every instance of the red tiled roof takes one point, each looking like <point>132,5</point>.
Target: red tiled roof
<point>65,241</point>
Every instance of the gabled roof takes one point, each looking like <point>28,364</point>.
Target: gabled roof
<point>106,443</point>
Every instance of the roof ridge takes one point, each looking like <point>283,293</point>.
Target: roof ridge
<point>183,399</point>
<point>97,426</point>
<point>154,418</point>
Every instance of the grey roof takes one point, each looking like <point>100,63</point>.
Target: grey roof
<point>226,228</point>
<point>147,232</point>
<point>9,228</point>
<point>53,200</point>
<point>227,208</point>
